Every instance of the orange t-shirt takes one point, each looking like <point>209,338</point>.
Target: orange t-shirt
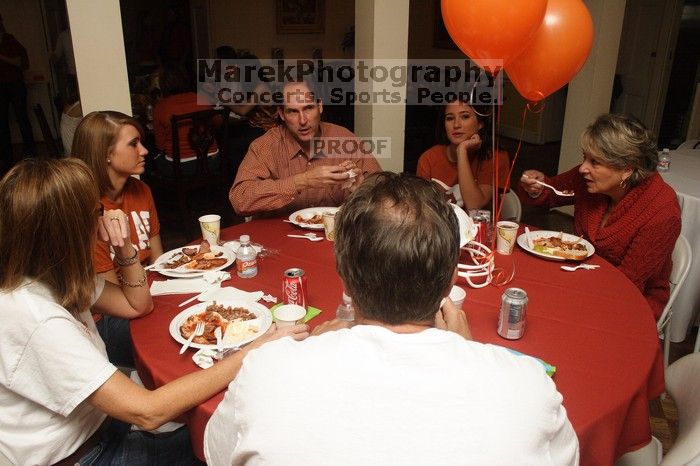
<point>137,203</point>
<point>434,163</point>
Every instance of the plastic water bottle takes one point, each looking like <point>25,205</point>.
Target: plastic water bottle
<point>664,161</point>
<point>345,309</point>
<point>246,259</point>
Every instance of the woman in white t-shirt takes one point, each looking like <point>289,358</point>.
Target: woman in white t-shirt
<point>63,401</point>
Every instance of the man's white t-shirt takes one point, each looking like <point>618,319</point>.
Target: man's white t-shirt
<point>368,396</point>
<point>50,362</point>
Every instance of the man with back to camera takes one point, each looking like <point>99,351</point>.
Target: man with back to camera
<point>282,172</point>
<point>404,385</point>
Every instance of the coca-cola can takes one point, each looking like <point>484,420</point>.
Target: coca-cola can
<point>294,289</point>
<point>482,229</point>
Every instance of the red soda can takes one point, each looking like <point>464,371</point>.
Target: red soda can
<point>482,229</point>
<point>294,289</point>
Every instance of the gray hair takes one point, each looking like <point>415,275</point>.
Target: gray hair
<point>622,142</point>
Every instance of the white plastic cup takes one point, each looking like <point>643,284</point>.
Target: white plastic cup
<point>506,233</point>
<point>211,228</point>
<point>458,295</point>
<point>329,225</point>
<point>288,315</point>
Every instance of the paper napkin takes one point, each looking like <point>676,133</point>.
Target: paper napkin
<point>311,312</point>
<point>228,293</point>
<point>189,285</point>
<point>204,358</point>
<point>179,286</point>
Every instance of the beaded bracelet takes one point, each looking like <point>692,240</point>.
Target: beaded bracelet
<point>138,284</point>
<point>123,262</point>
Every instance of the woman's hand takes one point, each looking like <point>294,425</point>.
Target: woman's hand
<point>527,180</point>
<point>473,143</point>
<point>451,318</point>
<point>113,227</point>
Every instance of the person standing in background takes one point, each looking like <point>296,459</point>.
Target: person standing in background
<point>64,50</point>
<point>13,62</point>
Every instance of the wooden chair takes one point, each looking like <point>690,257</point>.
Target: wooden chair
<point>205,128</point>
<point>54,151</point>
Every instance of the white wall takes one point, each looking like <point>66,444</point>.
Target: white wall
<point>100,60</point>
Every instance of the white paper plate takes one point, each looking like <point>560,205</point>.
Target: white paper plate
<point>264,320</point>
<point>307,214</point>
<point>522,242</point>
<point>182,272</point>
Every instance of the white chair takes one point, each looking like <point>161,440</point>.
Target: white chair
<point>683,384</point>
<point>648,455</point>
<point>512,209</point>
<point>682,257</point>
<point>690,144</point>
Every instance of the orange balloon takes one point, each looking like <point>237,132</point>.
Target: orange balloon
<point>556,53</point>
<point>492,29</point>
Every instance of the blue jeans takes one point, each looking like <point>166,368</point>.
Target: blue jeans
<point>117,337</point>
<point>119,445</point>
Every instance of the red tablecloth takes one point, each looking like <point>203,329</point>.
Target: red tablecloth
<point>595,326</point>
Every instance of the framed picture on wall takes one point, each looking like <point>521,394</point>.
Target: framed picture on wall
<point>300,16</point>
<point>441,38</point>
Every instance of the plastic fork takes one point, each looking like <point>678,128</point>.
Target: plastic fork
<point>570,268</point>
<point>219,343</point>
<point>309,236</point>
<point>556,191</point>
<point>198,331</point>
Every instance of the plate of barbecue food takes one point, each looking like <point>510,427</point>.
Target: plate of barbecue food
<point>193,261</point>
<point>555,245</point>
<point>240,322</point>
<point>311,218</point>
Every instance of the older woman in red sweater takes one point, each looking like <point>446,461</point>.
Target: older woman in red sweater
<point>622,206</point>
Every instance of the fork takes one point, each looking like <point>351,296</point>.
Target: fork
<point>569,268</point>
<point>219,343</point>
<point>198,331</point>
<point>309,236</point>
<point>556,191</point>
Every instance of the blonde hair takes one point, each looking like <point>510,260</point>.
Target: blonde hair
<point>48,229</point>
<point>95,138</point>
<point>622,142</point>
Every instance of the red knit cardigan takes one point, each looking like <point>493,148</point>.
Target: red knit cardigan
<point>639,235</point>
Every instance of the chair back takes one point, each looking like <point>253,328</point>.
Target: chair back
<point>682,256</point>
<point>202,128</point>
<point>690,144</point>
<point>51,145</point>
<point>512,208</point>
<point>683,384</point>
<point>205,191</point>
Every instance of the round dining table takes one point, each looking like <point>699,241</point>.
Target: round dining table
<point>593,325</point>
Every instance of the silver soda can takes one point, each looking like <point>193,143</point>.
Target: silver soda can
<point>511,321</point>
